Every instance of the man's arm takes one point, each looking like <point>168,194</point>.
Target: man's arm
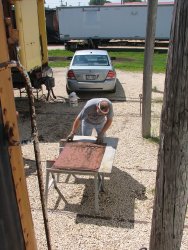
<point>75,126</point>
<point>103,131</point>
<point>106,125</point>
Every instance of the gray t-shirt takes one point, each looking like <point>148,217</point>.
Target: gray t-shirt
<point>89,112</point>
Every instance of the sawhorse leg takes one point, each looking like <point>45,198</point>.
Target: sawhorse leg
<point>101,182</point>
<point>48,185</point>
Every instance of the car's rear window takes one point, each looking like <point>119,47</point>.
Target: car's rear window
<point>90,60</point>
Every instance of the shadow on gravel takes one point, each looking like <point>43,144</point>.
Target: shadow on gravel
<point>118,96</point>
<point>55,118</point>
<point>30,167</point>
<point>117,202</point>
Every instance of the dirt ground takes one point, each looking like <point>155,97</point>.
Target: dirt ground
<point>124,221</point>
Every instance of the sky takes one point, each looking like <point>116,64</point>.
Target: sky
<point>54,3</point>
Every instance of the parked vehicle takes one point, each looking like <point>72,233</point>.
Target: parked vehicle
<point>52,28</point>
<point>91,70</point>
<point>99,24</point>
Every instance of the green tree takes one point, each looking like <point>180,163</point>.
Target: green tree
<point>125,1</point>
<point>102,2</point>
<point>98,2</point>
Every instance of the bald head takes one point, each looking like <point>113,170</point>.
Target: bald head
<point>103,107</point>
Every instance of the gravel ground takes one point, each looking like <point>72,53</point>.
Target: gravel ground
<point>124,221</point>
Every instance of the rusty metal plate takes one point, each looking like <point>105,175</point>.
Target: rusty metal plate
<point>80,156</point>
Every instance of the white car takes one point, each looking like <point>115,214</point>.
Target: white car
<point>91,70</point>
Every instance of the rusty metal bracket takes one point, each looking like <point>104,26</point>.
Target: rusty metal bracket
<point>3,66</point>
<point>13,33</point>
<point>9,132</point>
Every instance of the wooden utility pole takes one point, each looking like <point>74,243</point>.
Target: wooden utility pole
<point>172,173</point>
<point>148,67</point>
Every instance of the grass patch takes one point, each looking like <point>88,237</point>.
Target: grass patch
<point>158,100</point>
<point>128,61</point>
<point>153,191</point>
<point>60,52</point>
<point>154,139</point>
<point>63,64</point>
<point>154,89</point>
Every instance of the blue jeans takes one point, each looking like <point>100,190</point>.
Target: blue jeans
<point>88,127</point>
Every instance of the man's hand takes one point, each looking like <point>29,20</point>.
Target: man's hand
<point>100,138</point>
<point>70,137</point>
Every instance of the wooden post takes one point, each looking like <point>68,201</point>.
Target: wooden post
<point>171,196</point>
<point>148,66</point>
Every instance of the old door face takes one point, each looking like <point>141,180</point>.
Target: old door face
<point>10,225</point>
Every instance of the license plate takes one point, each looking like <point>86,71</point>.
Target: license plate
<point>90,77</point>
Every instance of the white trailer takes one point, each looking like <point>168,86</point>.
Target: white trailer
<point>112,22</point>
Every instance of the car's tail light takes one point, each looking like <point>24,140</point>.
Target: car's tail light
<point>70,74</point>
<point>111,74</point>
